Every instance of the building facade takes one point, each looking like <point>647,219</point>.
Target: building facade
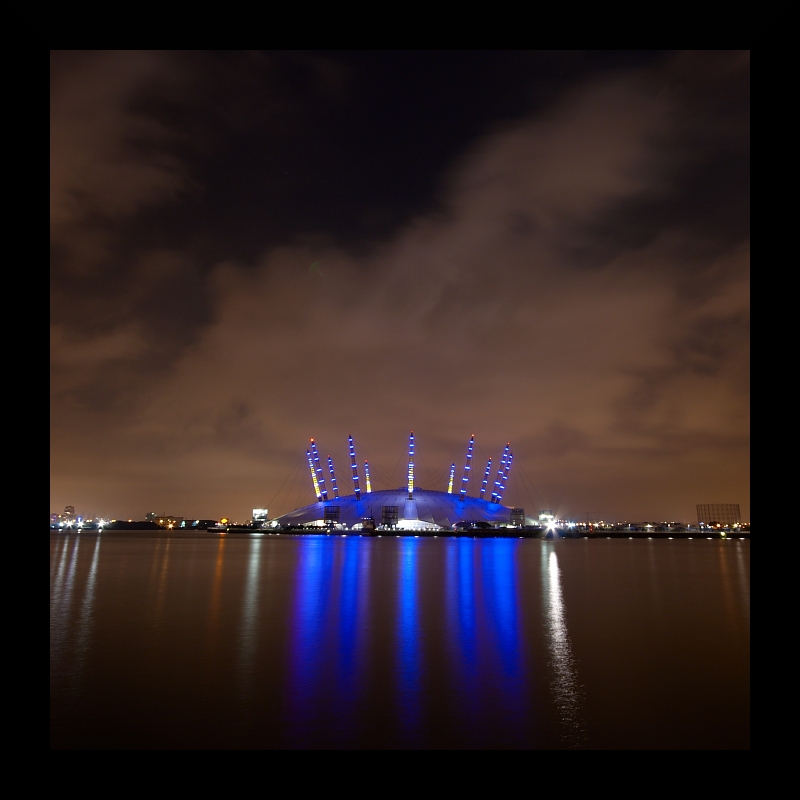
<point>726,514</point>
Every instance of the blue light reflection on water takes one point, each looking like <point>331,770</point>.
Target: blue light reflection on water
<point>353,602</point>
<point>314,579</point>
<point>337,641</point>
<point>499,582</point>
<point>408,663</point>
<point>461,627</point>
<point>326,672</point>
<point>486,666</point>
<point>500,591</point>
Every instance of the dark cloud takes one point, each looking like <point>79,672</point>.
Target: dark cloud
<point>569,272</point>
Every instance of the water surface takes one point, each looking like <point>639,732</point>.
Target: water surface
<point>197,641</point>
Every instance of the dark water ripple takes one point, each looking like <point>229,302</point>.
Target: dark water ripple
<point>196,641</point>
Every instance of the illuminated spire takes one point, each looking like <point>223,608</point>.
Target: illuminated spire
<point>323,492</point>
<point>499,481</point>
<point>486,478</point>
<point>411,466</point>
<point>505,477</point>
<point>465,479</point>
<point>354,466</point>
<point>313,476</point>
<point>452,475</point>
<point>366,476</point>
<point>333,479</point>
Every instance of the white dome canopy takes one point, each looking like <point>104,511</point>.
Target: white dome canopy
<point>427,508</point>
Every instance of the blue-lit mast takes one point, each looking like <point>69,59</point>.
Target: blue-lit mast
<point>465,479</point>
<point>411,466</point>
<point>333,479</point>
<point>450,482</point>
<point>499,480</point>
<point>486,478</point>
<point>323,492</point>
<point>366,476</point>
<point>354,466</point>
<point>313,475</point>
<point>505,477</point>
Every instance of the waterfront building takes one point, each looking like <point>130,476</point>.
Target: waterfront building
<point>407,507</point>
<point>725,514</point>
<point>168,521</point>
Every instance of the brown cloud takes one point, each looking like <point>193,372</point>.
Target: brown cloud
<point>620,377</point>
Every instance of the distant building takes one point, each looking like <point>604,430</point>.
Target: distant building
<point>517,517</point>
<point>407,507</point>
<point>260,514</point>
<point>164,520</point>
<point>726,514</point>
<point>168,521</point>
<point>69,513</point>
<point>197,524</point>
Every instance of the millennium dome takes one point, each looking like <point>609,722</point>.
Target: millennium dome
<point>407,507</point>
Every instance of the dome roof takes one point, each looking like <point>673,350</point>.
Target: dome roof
<point>427,508</point>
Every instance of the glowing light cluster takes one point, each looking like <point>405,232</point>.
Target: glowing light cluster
<point>313,475</point>
<point>498,484</point>
<point>505,477</point>
<point>465,479</point>
<point>354,466</point>
<point>486,478</point>
<point>411,465</point>
<point>333,479</point>
<point>323,492</point>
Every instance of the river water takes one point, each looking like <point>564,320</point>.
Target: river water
<point>202,641</point>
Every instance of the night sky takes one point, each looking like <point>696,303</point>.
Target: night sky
<point>249,249</point>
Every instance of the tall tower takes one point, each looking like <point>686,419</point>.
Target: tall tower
<point>354,466</point>
<point>450,482</point>
<point>318,469</point>
<point>333,479</point>
<point>411,466</point>
<point>505,477</point>
<point>313,475</point>
<point>465,479</point>
<point>366,476</point>
<point>499,480</point>
<point>486,478</point>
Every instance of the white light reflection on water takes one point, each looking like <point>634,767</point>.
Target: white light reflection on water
<point>63,597</point>
<point>62,564</point>
<point>54,559</point>
<point>565,687</point>
<point>87,606</point>
<point>248,635</point>
<point>61,601</point>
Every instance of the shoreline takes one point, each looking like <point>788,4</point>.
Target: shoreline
<point>495,533</point>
